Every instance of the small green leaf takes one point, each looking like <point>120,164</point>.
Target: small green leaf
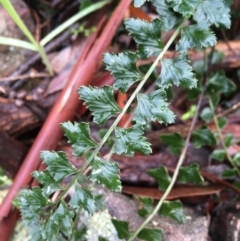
<point>49,184</point>
<point>122,228</point>
<point>131,140</point>
<point>222,121</point>
<point>161,175</point>
<point>79,234</point>
<point>228,139</point>
<point>34,230</point>
<point>236,184</point>
<point>173,210</point>
<point>217,15</point>
<point>195,36</point>
<point>60,220</point>
<point>139,3</point>
<point>215,98</point>
<point>168,16</point>
<point>78,135</point>
<point>50,230</point>
<point>30,203</point>
<point>177,71</point>
<point>217,57</point>
<point>193,93</point>
<point>203,137</point>
<point>236,159</point>
<point>123,68</point>
<point>32,200</point>
<point>100,238</point>
<point>174,141</point>
<point>147,206</point>
<point>63,218</point>
<point>190,174</point>
<point>100,101</point>
<point>218,154</point>
<point>190,113</point>
<point>150,234</point>
<point>106,173</point>
<point>82,198</point>
<point>147,36</point>
<point>153,106</point>
<point>206,114</point>
<point>229,173</point>
<point>185,7</point>
<point>58,164</point>
<point>220,83</point>
<point>99,202</point>
<point>85,4</point>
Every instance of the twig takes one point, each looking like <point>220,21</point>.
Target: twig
<point>228,111</point>
<point>31,75</point>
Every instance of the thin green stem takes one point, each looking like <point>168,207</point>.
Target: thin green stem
<point>12,12</point>
<point>17,43</point>
<point>36,46</point>
<point>73,19</point>
<point>221,138</point>
<point>125,108</point>
<point>129,102</point>
<point>175,174</point>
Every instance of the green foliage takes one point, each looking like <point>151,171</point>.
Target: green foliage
<point>151,234</point>
<point>228,139</point>
<point>236,159</point>
<point>33,44</point>
<point>85,4</point>
<point>123,68</point>
<point>218,154</point>
<point>168,16</point>
<point>190,113</point>
<point>78,135</point>
<point>176,71</point>
<point>131,140</point>
<point>55,220</point>
<point>153,106</point>
<point>206,114</point>
<point>190,174</point>
<point>49,184</point>
<point>161,175</point>
<point>217,15</point>
<point>147,207</point>
<point>198,36</point>
<point>100,101</point>
<point>106,173</point>
<point>222,121</point>
<point>4,179</point>
<point>185,7</point>
<point>174,141</point>
<point>203,136</point>
<point>229,173</point>
<point>58,164</point>
<point>219,83</point>
<point>122,228</point>
<point>173,209</point>
<point>82,199</point>
<point>146,36</point>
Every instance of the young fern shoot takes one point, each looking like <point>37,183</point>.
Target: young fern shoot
<point>58,222</point>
